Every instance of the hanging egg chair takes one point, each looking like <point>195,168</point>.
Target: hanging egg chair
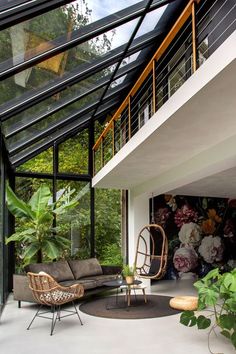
<point>151,252</point>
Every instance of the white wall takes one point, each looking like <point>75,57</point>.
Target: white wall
<point>138,218</point>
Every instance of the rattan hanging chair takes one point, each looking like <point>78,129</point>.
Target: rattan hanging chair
<point>151,252</point>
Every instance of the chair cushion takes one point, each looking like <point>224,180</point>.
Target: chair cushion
<point>100,279</point>
<point>155,266</point>
<point>58,270</point>
<point>85,267</point>
<point>87,284</point>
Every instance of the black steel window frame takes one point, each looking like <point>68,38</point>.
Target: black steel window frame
<point>15,129</point>
<point>56,175</point>
<point>25,10</point>
<point>85,33</point>
<point>27,100</point>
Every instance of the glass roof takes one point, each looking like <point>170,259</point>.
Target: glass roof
<point>73,63</point>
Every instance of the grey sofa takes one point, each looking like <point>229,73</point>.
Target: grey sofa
<point>87,272</point>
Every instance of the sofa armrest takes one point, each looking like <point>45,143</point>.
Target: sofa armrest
<point>21,290</point>
<point>110,269</point>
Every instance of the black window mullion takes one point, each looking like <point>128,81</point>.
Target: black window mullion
<point>15,129</point>
<point>20,104</point>
<point>11,15</point>
<point>84,34</point>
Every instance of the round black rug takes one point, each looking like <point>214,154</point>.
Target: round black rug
<point>156,306</point>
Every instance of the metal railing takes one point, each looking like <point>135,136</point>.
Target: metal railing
<point>200,29</point>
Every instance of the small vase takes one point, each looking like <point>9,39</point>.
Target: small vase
<point>129,279</point>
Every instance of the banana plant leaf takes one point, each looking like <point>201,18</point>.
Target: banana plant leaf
<point>18,207</point>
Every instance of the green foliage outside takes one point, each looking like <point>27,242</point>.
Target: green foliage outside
<point>38,239</point>
<point>216,295</point>
<point>73,153</point>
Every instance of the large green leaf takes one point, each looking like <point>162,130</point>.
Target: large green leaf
<point>233,339</point>
<point>203,322</point>
<point>31,250</point>
<point>227,321</point>
<point>50,249</point>
<point>21,236</point>
<point>188,318</point>
<point>62,242</point>
<point>39,200</point>
<point>18,207</point>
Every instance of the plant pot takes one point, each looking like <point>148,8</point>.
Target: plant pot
<point>129,279</point>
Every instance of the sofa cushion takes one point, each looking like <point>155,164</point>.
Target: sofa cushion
<point>100,279</point>
<point>87,284</point>
<point>85,267</point>
<point>58,270</point>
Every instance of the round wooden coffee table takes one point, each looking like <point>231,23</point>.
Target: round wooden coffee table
<point>117,283</point>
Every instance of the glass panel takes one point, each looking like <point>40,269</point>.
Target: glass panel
<point>176,78</point>
<point>101,9</point>
<point>76,223</point>
<point>60,65</point>
<point>150,21</point>
<point>108,226</point>
<point>56,101</point>
<point>55,118</point>
<point>117,82</point>
<point>42,163</point>
<point>160,97</point>
<point>1,231</point>
<point>73,154</point>
<point>130,59</point>
<point>176,57</point>
<point>203,51</point>
<point>25,187</point>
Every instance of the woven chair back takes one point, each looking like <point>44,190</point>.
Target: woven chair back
<point>47,291</point>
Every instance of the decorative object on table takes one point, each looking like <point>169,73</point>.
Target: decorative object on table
<point>129,273</point>
<point>47,291</point>
<point>217,291</point>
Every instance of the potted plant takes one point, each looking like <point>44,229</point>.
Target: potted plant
<point>128,273</point>
<point>216,295</point>
<point>36,233</point>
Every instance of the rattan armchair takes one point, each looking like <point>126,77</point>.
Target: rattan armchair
<point>47,291</point>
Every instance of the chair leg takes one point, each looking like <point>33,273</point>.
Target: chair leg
<point>54,320</point>
<point>77,313</point>
<point>59,313</point>
<point>34,317</point>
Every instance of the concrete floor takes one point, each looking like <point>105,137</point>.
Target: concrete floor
<point>106,336</point>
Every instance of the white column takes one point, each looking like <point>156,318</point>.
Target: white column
<point>138,218</point>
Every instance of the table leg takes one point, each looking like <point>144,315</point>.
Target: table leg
<point>145,297</point>
<point>129,292</point>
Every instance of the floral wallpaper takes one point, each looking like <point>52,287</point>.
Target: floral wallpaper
<point>201,232</point>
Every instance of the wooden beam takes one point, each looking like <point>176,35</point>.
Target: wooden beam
<point>154,86</point>
<point>113,138</point>
<point>129,118</point>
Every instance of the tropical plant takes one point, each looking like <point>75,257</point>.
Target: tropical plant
<point>217,291</point>
<point>128,271</point>
<point>36,233</point>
